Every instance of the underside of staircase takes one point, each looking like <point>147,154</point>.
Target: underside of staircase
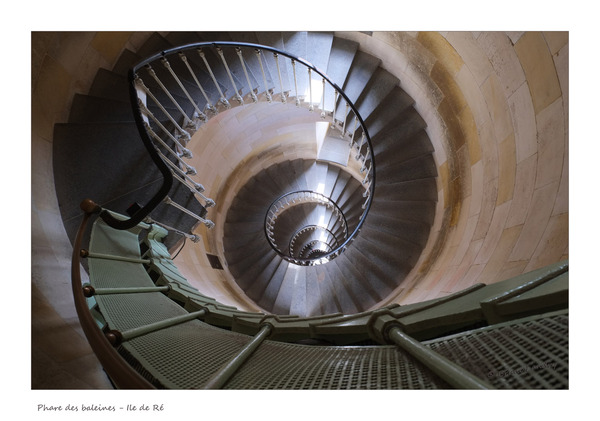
<point>398,225</point>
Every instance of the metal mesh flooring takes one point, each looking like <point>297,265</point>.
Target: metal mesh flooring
<point>187,355</point>
<point>277,365</point>
<point>529,355</point>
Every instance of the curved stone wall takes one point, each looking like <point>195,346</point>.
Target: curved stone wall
<point>496,105</point>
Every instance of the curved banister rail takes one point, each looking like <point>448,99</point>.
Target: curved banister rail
<point>123,375</point>
<point>158,197</point>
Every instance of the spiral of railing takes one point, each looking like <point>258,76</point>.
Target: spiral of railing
<point>308,237</point>
<point>336,227</point>
<point>174,91</point>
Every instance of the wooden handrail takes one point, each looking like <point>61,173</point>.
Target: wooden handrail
<point>119,371</point>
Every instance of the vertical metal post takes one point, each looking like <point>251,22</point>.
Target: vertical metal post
<point>310,101</point>
<point>283,99</point>
<point>295,83</point>
<point>252,94</point>
<point>238,97</point>
<point>262,69</point>
<point>208,103</point>
<point>214,79</point>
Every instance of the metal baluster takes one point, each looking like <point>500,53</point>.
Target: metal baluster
<point>262,69</point>
<point>237,96</point>
<point>323,100</point>
<point>295,83</point>
<point>140,83</point>
<point>209,105</point>
<point>214,79</point>
<point>368,172</point>
<point>354,131</point>
<point>201,115</point>
<point>173,166</point>
<point>206,222</point>
<point>362,141</point>
<point>152,73</point>
<point>310,104</point>
<point>252,94</point>
<point>208,203</point>
<point>184,151</point>
<point>195,186</point>
<point>344,122</point>
<point>195,238</point>
<point>364,165</point>
<point>336,94</point>
<point>283,99</point>
<point>189,169</point>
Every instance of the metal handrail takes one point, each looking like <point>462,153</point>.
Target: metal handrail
<point>123,375</point>
<point>167,183</point>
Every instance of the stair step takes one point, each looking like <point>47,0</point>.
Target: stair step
<point>418,211</point>
<point>381,84</point>
<point>356,281</point>
<point>340,59</point>
<point>422,189</point>
<point>363,68</point>
<point>314,303</point>
<point>246,271</point>
<point>383,282</point>
<point>86,166</point>
<point>401,149</point>
<point>330,302</point>
<point>91,109</point>
<point>318,48</point>
<point>390,261</point>
<point>388,111</point>
<point>299,291</point>
<point>347,302</point>
<point>416,168</point>
<point>155,44</point>
<point>267,271</point>
<point>283,301</point>
<point>399,253</point>
<point>126,61</point>
<point>110,85</point>
<point>409,231</point>
<point>405,126</point>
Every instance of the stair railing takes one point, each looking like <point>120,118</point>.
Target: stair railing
<point>119,370</point>
<point>183,104</point>
<point>337,225</point>
<point>316,235</point>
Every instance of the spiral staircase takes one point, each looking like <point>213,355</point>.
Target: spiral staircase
<point>304,262</point>
<point>401,213</point>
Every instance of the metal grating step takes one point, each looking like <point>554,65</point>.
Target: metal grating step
<point>532,354</point>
